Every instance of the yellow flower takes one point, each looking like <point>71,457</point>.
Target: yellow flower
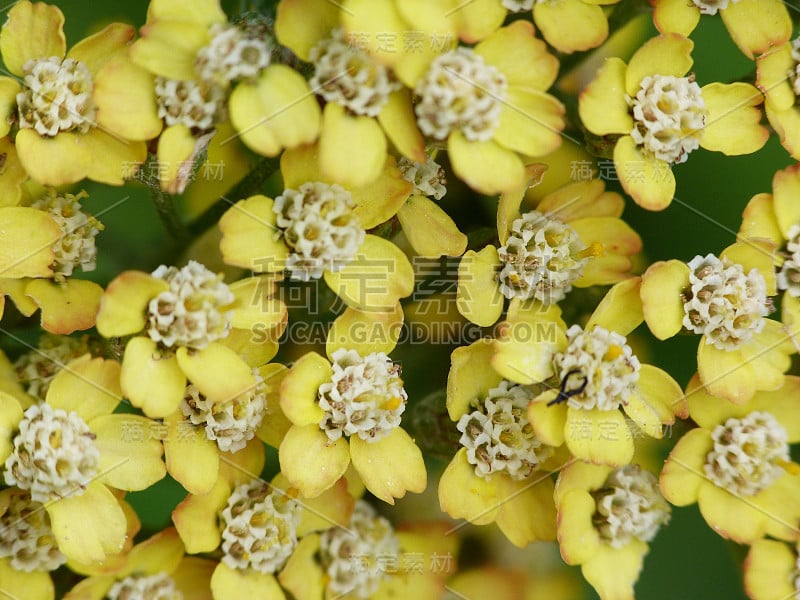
<point>349,410</point>
<point>156,566</point>
<point>736,464</point>
<point>588,24</point>
<point>501,472</point>
<point>205,68</point>
<point>660,115</point>
<point>573,237</point>
<point>755,26</point>
<point>776,217</point>
<point>369,559</point>
<point>68,452</point>
<point>606,518</point>
<point>726,300</point>
<point>317,229</point>
<point>777,79</point>
<point>770,570</point>
<point>597,375</point>
<point>193,326</point>
<point>56,145</point>
<point>46,243</point>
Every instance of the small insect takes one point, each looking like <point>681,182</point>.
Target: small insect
<point>565,394</point>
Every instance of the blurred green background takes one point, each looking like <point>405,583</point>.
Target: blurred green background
<point>687,560</point>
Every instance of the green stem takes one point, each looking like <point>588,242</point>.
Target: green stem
<point>165,207</point>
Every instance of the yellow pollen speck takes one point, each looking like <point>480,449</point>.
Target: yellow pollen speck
<point>392,403</point>
<point>594,249</point>
<point>613,352</point>
<point>788,466</point>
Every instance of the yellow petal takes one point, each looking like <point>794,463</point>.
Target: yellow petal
<point>478,296</point>
<point>310,461</point>
<point>768,353</point>
<point>15,289</point>
<point>548,421</point>
<point>730,516</point>
<point>527,512</point>
<point>9,88</point>
<point>588,25</point>
<point>10,417</point>
<point>31,30</point>
<point>390,466</point>
<point>300,386</point>
<point>479,19</point>
<point>195,518</point>
<point>351,165</point>
<point>646,179</point>
<point>151,381</point>
<point>786,187</point>
<point>578,475</point>
<point>242,466</point>
<point>662,285</point>
<point>778,503</point>
<point>193,577</point>
<point>787,125</point>
<point>612,572</point>
<point>256,304</point>
<point>249,236</point>
<point>771,79</point>
<point>88,527</point>
<point>486,167</point>
<point>520,56</point>
<point>161,552</point>
<point>332,508</point>
<point>430,230</point>
<point>733,121</point>
<point>599,436</point>
<point>530,122</point>
<point>754,254</point>
<point>124,94</point>
<point>200,12</point>
<point>26,239</point>
<point>278,111</point>
<point>192,459</point>
<point>217,371</point>
<point>274,424</point>
<point>66,307</point>
<point>683,473</point>
<point>88,386</point>
<point>365,331</point>
<point>577,537</point>
<point>620,309</point>
<point>667,54</point>
<point>757,25</point>
<point>400,125</point>
<point>380,200</point>
<point>176,148</point>
<point>33,584</point>
<point>602,105</point>
<point>302,24</point>
<point>96,50</point>
<point>759,220</point>
<point>663,393</point>
<point>580,200</point>
<point>129,462</point>
<point>378,276</point>
<point>769,570</point>
<point>471,376</point>
<point>464,495</point>
<point>124,303</point>
<point>302,575</point>
<point>675,16</point>
<point>169,47</point>
<point>725,373</point>
<point>615,236</point>
<point>228,583</point>
<point>53,160</point>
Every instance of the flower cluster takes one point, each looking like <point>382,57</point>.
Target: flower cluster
<point>392,272</point>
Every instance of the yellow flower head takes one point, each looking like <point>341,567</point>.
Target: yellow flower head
<point>736,464</point>
<point>606,518</point>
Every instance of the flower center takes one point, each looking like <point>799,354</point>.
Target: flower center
<point>669,116</point>
<point>365,396</point>
<point>320,227</point>
<point>54,454</point>
<point>460,92</point>
<point>37,368</point>
<point>57,96</point>
<point>498,437</point>
<point>75,247</point>
<point>542,258</point>
<point>629,506</point>
<point>192,312</point>
<point>259,528</point>
<point>353,557</point>
<point>789,275</point>
<point>428,177</point>
<point>145,587</point>
<point>518,5</point>
<point>233,54</point>
<point>748,453</point>
<point>231,424</point>
<point>199,105</point>
<point>711,7</point>
<point>723,303</point>
<point>605,365</point>
<point>26,537</point>
<point>350,77</point>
